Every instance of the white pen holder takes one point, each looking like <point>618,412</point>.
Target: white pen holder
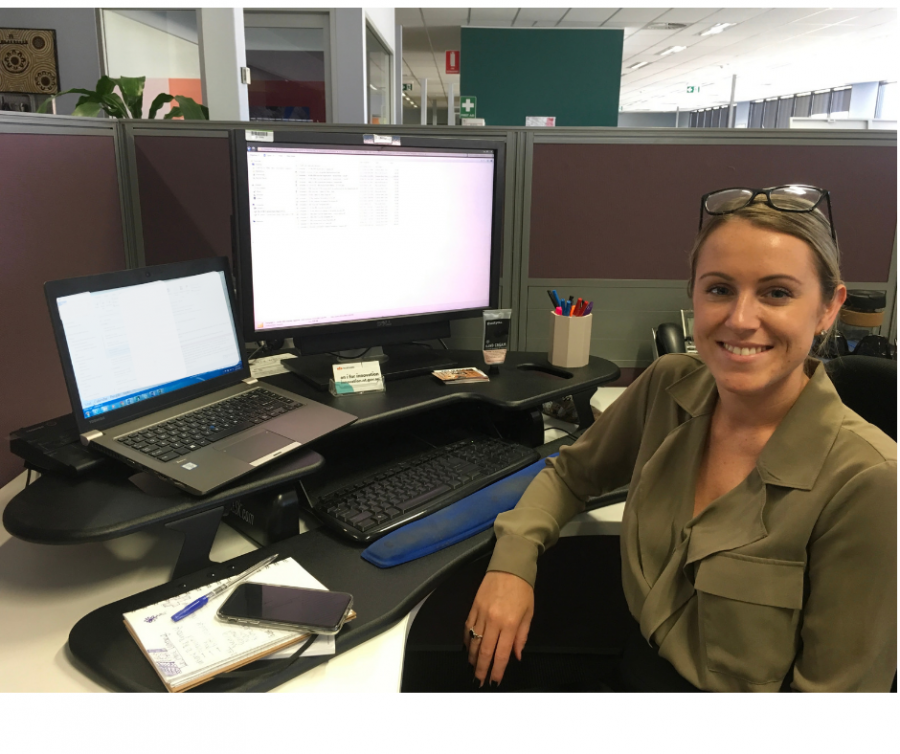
<point>570,340</point>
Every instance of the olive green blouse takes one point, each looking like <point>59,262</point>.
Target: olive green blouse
<point>792,574</point>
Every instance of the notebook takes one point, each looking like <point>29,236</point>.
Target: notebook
<point>158,378</point>
<point>189,652</point>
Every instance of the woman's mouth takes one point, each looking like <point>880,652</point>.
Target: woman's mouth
<point>744,350</point>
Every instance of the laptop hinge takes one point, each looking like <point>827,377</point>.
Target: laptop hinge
<point>89,437</point>
<point>250,381</point>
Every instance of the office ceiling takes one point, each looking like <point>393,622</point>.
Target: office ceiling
<point>772,51</point>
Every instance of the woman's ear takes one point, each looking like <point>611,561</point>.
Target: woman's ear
<point>833,307</point>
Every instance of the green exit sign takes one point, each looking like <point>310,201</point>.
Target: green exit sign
<point>407,87</point>
<point>693,89</point>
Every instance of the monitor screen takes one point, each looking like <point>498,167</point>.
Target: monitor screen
<point>341,234</point>
<point>137,342</point>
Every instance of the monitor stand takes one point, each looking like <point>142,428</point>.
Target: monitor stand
<point>397,362</point>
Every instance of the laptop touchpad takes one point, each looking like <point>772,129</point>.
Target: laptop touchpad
<point>260,447</point>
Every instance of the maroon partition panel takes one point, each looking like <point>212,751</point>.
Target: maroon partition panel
<point>630,211</point>
<point>185,194</point>
<point>61,217</point>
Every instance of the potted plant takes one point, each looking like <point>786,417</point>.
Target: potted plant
<point>131,102</point>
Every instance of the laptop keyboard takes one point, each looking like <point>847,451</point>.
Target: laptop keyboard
<point>184,434</point>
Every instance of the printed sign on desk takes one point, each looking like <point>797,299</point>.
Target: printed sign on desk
<point>360,377</point>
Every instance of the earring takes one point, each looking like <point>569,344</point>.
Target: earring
<point>823,333</point>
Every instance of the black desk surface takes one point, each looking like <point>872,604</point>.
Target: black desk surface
<point>105,505</point>
<point>525,380</point>
<point>102,646</point>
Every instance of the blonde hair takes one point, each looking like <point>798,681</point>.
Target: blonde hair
<point>811,227</point>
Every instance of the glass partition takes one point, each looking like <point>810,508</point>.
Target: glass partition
<point>287,54</point>
<point>378,76</point>
<point>161,45</point>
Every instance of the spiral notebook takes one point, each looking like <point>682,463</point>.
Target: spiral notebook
<point>199,647</point>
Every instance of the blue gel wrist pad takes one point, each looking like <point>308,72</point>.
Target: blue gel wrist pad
<point>452,524</point>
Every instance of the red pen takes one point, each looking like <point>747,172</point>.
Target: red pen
<point>579,305</point>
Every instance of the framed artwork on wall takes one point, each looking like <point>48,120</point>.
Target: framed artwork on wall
<point>28,61</point>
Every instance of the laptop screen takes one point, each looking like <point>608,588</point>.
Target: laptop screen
<point>137,342</point>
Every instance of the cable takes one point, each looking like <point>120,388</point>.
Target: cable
<point>446,348</point>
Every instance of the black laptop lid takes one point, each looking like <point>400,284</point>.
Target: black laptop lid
<point>137,341</point>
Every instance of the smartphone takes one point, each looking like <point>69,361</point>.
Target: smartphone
<point>315,610</point>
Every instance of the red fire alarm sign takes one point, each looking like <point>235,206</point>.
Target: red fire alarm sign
<point>452,61</point>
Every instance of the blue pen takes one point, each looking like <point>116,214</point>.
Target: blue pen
<point>567,305</point>
<point>201,601</point>
<point>555,298</point>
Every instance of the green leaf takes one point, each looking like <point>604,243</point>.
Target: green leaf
<point>88,108</point>
<point>175,112</point>
<point>157,103</point>
<point>132,89</point>
<point>45,105</point>
<point>205,110</point>
<point>105,85</point>
<point>113,105</point>
<point>190,109</point>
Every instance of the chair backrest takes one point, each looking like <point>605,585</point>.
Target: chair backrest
<point>868,386</point>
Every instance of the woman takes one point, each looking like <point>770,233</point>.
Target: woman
<point>759,535</point>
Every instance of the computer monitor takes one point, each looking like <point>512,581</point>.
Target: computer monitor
<point>351,241</point>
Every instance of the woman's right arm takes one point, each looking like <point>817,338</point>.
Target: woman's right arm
<point>601,460</point>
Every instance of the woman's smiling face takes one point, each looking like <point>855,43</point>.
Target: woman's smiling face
<point>757,307</point>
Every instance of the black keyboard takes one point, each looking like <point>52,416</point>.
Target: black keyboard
<point>184,434</point>
<point>417,486</point>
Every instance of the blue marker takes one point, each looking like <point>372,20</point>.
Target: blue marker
<point>555,298</point>
<point>201,601</point>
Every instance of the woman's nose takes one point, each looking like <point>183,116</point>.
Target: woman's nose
<point>744,314</point>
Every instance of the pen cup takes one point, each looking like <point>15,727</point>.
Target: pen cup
<point>570,340</point>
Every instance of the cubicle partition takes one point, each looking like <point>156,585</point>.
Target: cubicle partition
<point>607,214</point>
<point>612,215</point>
<point>61,216</point>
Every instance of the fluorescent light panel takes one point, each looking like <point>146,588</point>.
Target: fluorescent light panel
<point>669,51</point>
<point>717,29</point>
<point>638,65</point>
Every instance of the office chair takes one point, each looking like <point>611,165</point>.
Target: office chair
<point>868,386</point>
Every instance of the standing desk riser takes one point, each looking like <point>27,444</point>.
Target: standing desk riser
<point>509,404</point>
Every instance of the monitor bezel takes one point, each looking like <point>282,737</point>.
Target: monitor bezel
<point>56,289</point>
<point>308,333</point>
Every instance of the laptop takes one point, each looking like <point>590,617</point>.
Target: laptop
<point>158,377</point>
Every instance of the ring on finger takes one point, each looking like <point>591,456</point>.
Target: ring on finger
<point>473,635</point>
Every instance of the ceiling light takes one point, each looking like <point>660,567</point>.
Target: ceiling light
<point>638,65</point>
<point>676,48</point>
<point>717,29</point>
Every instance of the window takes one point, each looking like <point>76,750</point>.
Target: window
<point>161,45</point>
<point>756,114</point>
<point>886,104</point>
<point>378,78</point>
<point>840,101</point>
<point>770,111</point>
<point>287,54</point>
<point>783,112</point>
<point>802,103</point>
<point>821,102</point>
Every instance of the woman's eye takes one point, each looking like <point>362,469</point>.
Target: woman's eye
<point>717,290</point>
<point>780,293</point>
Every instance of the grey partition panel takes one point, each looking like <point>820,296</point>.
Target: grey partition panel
<point>614,212</point>
<point>61,217</point>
